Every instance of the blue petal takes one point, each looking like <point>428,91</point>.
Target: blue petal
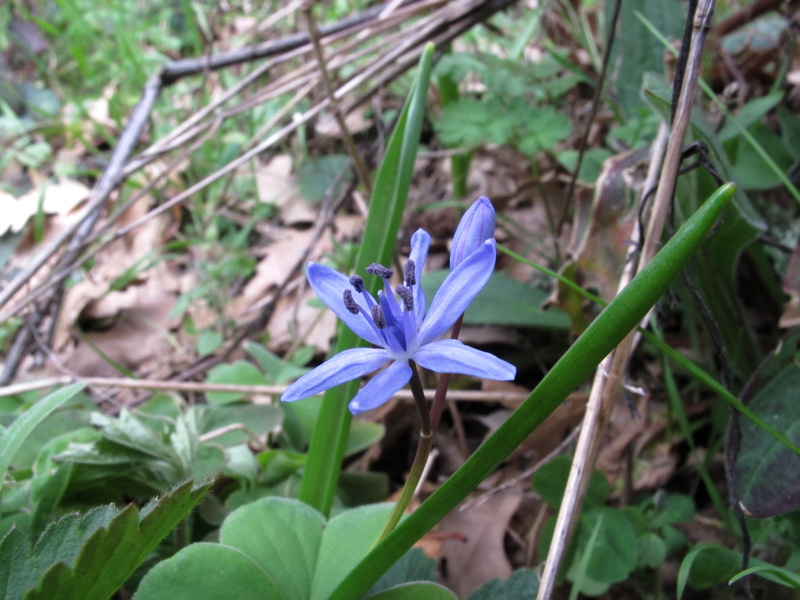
<point>451,356</point>
<point>343,367</point>
<point>382,387</point>
<point>330,286</point>
<point>457,291</point>
<point>475,227</point>
<point>420,243</point>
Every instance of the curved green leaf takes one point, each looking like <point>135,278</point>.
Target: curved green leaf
<point>13,437</point>
<point>210,572</point>
<point>282,537</point>
<point>416,591</point>
<point>346,540</point>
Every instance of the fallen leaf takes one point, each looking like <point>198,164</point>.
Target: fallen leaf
<point>481,556</point>
<point>277,185</point>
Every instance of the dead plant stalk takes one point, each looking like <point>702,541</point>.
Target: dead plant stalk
<point>611,372</point>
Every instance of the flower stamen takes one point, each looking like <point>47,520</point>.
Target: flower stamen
<point>378,316</point>
<point>406,297</point>
<point>380,271</point>
<point>410,273</point>
<point>350,303</point>
<point>357,283</point>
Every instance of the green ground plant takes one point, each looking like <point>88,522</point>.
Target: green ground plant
<point>274,505</point>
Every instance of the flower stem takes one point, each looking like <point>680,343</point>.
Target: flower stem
<point>421,457</point>
<point>444,381</point>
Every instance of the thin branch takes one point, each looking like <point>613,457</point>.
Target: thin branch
<point>202,388</point>
<point>598,92</point>
<point>352,150</point>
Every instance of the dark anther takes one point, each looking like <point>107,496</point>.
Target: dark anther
<point>410,273</point>
<point>406,297</point>
<point>357,283</point>
<point>379,270</point>
<point>350,303</point>
<point>378,317</point>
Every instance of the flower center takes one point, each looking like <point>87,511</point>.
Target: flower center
<point>394,322</point>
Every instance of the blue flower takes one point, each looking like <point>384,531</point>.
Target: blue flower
<point>475,227</point>
<point>400,328</point>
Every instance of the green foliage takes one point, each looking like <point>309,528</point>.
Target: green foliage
<point>504,301</point>
<point>389,195</point>
<point>765,472</point>
<point>141,454</point>
<point>239,373</point>
<point>635,52</point>
<point>610,544</point>
<point>551,480</point>
<point>276,548</point>
<point>12,439</point>
<point>317,176</point>
<point>515,107</point>
<point>522,583</point>
<point>618,318</point>
<point>89,556</point>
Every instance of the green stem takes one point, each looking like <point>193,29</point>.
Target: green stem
<point>423,450</point>
<point>390,191</point>
<point>444,381</point>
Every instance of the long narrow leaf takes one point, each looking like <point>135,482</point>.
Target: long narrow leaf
<point>16,434</point>
<point>380,236</point>
<point>600,338</point>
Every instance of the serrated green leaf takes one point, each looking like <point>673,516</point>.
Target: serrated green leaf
<point>90,556</point>
<point>15,553</point>
<point>131,432</point>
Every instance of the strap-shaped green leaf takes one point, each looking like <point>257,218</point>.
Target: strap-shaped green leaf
<point>606,331</point>
<point>380,236</point>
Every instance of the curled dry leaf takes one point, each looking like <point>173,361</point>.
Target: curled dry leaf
<point>56,198</point>
<point>476,553</point>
